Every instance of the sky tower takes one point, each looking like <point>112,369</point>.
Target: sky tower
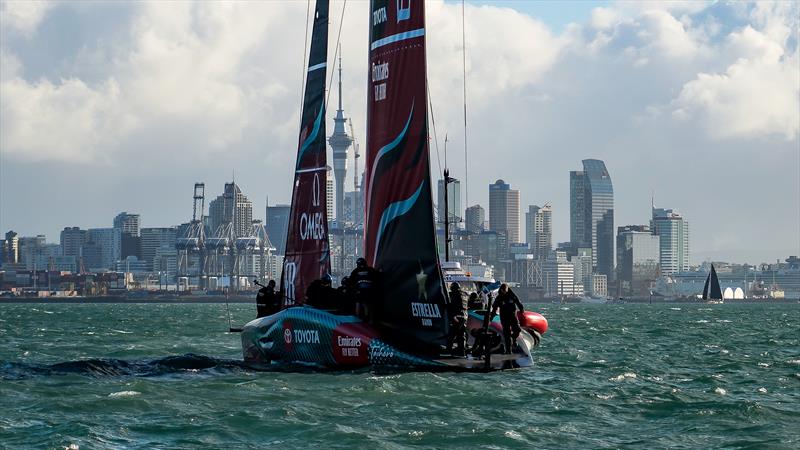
<point>340,142</point>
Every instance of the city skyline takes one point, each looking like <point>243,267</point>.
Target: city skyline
<point>636,86</point>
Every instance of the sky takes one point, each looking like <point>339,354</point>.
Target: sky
<point>115,106</point>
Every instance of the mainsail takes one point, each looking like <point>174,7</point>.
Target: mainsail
<point>307,255</point>
<point>399,234</point>
<point>712,289</point>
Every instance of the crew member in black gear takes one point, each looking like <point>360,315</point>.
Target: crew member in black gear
<point>347,301</point>
<point>474,302</point>
<point>267,301</point>
<point>508,302</point>
<point>457,314</point>
<point>321,295</point>
<point>364,280</point>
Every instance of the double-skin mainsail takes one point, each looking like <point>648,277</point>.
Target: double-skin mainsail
<point>399,234</point>
<point>307,255</point>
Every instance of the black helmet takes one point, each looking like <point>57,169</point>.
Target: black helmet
<point>345,281</point>
<point>327,279</point>
<point>271,283</point>
<point>361,262</point>
<point>455,286</point>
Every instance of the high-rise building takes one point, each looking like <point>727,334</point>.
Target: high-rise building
<point>339,142</point>
<point>110,242</point>
<point>504,210</point>
<point>474,217</point>
<point>330,192</point>
<point>232,207</point>
<point>277,225</point>
<point>558,276</point>
<point>72,239</point>
<point>453,203</point>
<point>539,230</point>
<point>10,248</point>
<point>637,260</point>
<point>127,223</point>
<point>154,239</point>
<point>592,213</point>
<point>673,231</point>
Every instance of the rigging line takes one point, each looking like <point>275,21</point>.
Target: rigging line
<point>464,67</point>
<point>335,54</point>
<point>305,50</point>
<point>433,123</point>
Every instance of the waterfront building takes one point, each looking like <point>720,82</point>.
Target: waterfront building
<point>673,231</point>
<point>277,224</point>
<point>504,210</point>
<point>453,204</point>
<point>474,217</point>
<point>539,230</point>
<point>92,256</point>
<point>592,213</point>
<point>582,262</point>
<point>232,207</point>
<point>558,276</point>
<point>154,239</point>
<point>599,286</point>
<point>110,242</point>
<point>127,223</point>
<point>72,239</point>
<point>637,260</point>
<point>10,248</point>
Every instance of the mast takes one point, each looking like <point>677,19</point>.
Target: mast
<point>399,227</point>
<point>307,255</point>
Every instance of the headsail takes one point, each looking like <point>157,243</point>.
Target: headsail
<point>399,233</point>
<point>307,252</point>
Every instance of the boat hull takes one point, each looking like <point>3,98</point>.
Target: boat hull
<point>312,337</point>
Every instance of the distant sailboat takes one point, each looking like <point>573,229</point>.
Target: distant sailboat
<point>711,290</point>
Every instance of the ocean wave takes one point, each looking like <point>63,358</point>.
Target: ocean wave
<point>124,394</point>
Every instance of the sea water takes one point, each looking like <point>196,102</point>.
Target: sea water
<point>169,376</point>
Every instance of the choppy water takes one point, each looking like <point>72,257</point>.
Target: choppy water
<point>167,376</point>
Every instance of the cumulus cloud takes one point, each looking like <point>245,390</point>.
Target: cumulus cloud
<point>23,16</point>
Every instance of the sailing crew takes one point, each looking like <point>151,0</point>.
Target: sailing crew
<point>508,303</point>
<point>457,313</point>
<point>321,295</point>
<point>474,302</point>
<point>347,302</point>
<point>364,280</point>
<point>267,301</point>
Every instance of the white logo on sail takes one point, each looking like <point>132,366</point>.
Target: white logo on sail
<point>289,274</point>
<point>315,190</point>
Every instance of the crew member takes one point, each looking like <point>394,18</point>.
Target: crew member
<point>364,280</point>
<point>347,302</point>
<point>267,301</point>
<point>508,303</point>
<point>321,295</point>
<point>474,302</point>
<point>457,313</point>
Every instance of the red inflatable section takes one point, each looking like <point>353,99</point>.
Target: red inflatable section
<point>534,320</point>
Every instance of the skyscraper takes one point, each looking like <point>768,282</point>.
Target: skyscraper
<point>110,242</point>
<point>339,142</point>
<point>637,259</point>
<point>231,207</point>
<point>154,239</point>
<point>474,217</point>
<point>277,224</point>
<point>127,223</point>
<point>10,248</point>
<point>453,203</point>
<point>72,239</point>
<point>504,210</point>
<point>592,214</point>
<point>539,230</point>
<point>673,231</point>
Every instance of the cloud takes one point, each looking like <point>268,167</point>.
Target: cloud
<point>23,16</point>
